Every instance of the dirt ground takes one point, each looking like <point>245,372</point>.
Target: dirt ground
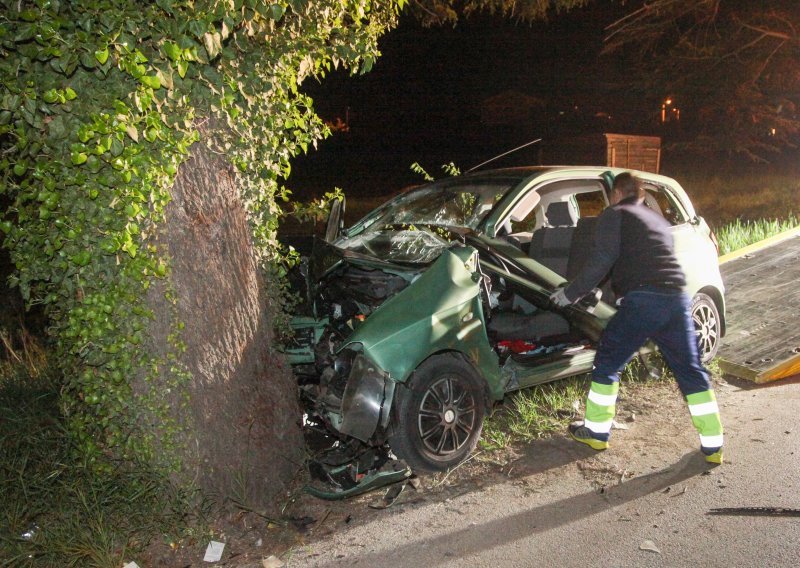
<point>652,416</point>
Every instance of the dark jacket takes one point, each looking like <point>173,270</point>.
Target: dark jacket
<point>634,244</point>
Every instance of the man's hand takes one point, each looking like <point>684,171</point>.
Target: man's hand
<point>559,298</point>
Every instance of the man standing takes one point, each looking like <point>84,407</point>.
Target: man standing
<point>634,244</point>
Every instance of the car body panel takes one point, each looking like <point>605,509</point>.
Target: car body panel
<point>411,326</point>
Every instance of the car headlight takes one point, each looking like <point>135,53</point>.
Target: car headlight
<point>343,363</point>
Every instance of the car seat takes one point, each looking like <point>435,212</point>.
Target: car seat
<point>550,245</point>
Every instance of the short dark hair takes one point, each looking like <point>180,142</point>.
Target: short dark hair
<point>628,185</point>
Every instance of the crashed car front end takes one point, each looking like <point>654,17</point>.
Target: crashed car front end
<point>374,322</point>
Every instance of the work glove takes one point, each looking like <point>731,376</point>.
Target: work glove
<point>559,298</point>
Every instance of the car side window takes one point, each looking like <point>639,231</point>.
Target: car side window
<point>590,204</point>
<point>661,200</point>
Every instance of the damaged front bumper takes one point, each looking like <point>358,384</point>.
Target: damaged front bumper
<point>367,399</point>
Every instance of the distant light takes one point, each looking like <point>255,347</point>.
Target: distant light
<point>668,101</point>
<point>772,132</point>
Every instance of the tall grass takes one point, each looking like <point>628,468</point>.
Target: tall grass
<point>739,234</point>
<point>59,510</point>
<point>533,413</point>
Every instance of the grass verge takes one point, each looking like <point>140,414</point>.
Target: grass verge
<point>536,412</point>
<point>739,234</point>
<point>57,509</point>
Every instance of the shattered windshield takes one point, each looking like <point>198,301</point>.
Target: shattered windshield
<point>416,226</point>
<point>412,246</point>
<point>455,202</point>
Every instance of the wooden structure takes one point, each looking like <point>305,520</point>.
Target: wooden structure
<point>762,342</point>
<point>634,152</point>
<point>617,150</point>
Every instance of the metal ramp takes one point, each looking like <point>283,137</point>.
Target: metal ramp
<point>762,284</point>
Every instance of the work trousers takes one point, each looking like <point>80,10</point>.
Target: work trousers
<point>663,316</point>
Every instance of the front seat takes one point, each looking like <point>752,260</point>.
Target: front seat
<point>550,245</point>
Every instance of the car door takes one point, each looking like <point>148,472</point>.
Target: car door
<point>567,351</point>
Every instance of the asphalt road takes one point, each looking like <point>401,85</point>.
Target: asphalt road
<point>644,502</point>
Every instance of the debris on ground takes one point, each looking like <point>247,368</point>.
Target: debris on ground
<point>214,551</point>
<point>756,511</point>
<point>649,546</point>
<point>350,468</point>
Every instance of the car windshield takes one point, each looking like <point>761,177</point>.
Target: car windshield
<point>455,202</point>
<point>416,226</point>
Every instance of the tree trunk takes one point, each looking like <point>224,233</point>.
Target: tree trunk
<point>243,437</point>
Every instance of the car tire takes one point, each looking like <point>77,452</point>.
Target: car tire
<point>707,326</point>
<point>438,414</point>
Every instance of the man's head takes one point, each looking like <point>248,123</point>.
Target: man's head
<point>626,185</point>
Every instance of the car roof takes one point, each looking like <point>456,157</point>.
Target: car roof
<point>523,172</point>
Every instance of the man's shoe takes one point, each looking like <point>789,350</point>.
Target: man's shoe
<point>582,434</point>
<point>715,457</point>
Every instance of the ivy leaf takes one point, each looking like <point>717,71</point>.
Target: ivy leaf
<point>132,132</point>
<point>172,50</point>
<point>29,15</point>
<point>151,81</point>
<point>70,94</point>
<point>198,28</point>
<point>26,32</point>
<point>101,55</point>
<point>165,5</point>
<point>276,11</point>
<point>78,158</point>
<point>50,96</point>
<point>213,44</point>
<point>183,66</point>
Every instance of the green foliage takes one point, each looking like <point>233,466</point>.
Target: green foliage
<point>57,510</point>
<point>438,12</point>
<point>533,413</point>
<point>449,169</point>
<point>417,168</point>
<point>100,104</point>
<point>739,234</point>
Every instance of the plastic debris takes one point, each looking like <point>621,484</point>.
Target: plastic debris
<point>390,496</point>
<point>272,562</point>
<point>649,546</point>
<point>30,533</point>
<point>214,551</point>
<point>130,565</point>
<point>618,426</point>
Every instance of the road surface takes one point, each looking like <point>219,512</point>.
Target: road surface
<point>642,503</point>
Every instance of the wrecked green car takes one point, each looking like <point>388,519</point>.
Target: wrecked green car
<point>436,305</point>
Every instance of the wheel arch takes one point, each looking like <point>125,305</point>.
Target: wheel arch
<point>488,397</point>
<point>716,296</point>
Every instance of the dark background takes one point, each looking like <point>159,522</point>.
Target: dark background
<point>467,93</point>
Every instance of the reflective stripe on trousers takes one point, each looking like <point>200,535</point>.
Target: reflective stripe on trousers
<point>601,406</point>
<point>705,417</point>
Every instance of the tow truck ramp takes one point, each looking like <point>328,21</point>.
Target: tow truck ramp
<point>762,284</point>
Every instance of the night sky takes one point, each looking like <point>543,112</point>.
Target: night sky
<point>426,100</point>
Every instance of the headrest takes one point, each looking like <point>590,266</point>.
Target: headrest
<point>561,214</point>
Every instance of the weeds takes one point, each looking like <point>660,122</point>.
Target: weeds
<point>534,413</point>
<point>739,234</point>
<point>57,509</point>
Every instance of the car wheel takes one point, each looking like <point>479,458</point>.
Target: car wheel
<point>707,326</point>
<point>438,415</point>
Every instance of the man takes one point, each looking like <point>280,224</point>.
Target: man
<point>634,244</point>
